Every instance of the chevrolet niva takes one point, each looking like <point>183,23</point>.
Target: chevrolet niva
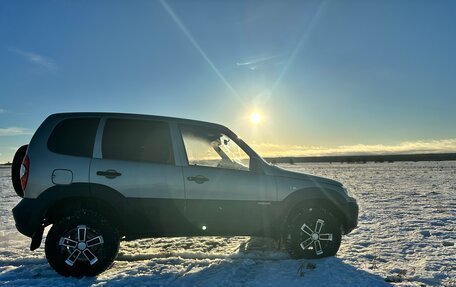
<point>99,178</point>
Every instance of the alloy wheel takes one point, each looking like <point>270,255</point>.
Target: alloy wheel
<point>82,244</point>
<point>314,237</point>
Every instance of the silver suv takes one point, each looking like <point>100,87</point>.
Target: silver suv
<point>102,177</point>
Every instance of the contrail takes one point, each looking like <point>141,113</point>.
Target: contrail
<point>198,47</point>
<point>254,61</point>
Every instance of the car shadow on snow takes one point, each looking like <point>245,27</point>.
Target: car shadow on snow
<point>257,262</point>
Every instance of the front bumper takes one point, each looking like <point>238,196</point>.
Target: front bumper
<point>28,215</point>
<point>351,211</point>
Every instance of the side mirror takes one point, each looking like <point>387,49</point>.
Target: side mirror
<point>256,165</point>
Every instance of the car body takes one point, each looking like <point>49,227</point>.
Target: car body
<point>153,176</point>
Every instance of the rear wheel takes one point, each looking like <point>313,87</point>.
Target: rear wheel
<point>312,233</point>
<point>84,244</point>
<point>16,169</point>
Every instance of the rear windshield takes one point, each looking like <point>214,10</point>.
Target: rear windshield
<point>74,137</point>
<point>137,140</point>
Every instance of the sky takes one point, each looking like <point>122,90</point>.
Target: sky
<point>322,77</point>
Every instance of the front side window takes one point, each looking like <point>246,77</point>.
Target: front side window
<point>209,147</point>
<point>74,137</point>
<point>137,140</point>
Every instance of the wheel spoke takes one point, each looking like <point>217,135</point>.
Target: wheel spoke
<point>326,237</point>
<point>95,241</point>
<point>90,256</point>
<point>306,229</point>
<point>82,230</point>
<point>306,243</point>
<point>319,225</point>
<point>317,247</point>
<point>73,257</point>
<point>67,242</point>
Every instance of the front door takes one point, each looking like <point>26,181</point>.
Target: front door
<point>223,195</point>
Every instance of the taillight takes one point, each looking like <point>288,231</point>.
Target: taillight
<point>25,167</point>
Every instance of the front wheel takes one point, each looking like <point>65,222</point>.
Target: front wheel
<point>312,233</point>
<point>83,244</point>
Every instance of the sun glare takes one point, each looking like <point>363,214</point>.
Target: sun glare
<point>255,118</point>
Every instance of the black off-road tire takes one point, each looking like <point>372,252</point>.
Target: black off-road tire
<point>16,169</point>
<point>70,227</point>
<point>312,232</point>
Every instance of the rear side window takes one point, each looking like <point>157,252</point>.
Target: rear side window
<point>74,137</point>
<point>137,140</point>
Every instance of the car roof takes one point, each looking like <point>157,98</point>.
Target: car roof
<point>136,116</point>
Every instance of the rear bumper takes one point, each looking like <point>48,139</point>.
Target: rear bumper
<point>28,215</point>
<point>351,216</point>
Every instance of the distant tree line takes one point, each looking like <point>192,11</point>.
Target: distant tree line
<point>365,158</point>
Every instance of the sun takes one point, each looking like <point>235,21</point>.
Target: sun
<point>255,118</point>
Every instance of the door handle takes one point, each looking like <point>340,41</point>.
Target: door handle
<point>110,173</point>
<point>198,179</point>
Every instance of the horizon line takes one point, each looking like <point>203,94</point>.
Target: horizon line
<point>445,156</point>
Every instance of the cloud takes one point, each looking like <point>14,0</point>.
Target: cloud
<point>35,58</point>
<point>421,146</point>
<point>14,131</point>
<point>2,111</point>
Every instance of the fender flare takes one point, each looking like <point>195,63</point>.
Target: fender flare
<point>71,194</point>
<point>331,199</point>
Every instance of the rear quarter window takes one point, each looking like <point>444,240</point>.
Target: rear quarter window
<point>74,137</point>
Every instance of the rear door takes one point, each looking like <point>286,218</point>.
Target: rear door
<point>136,158</point>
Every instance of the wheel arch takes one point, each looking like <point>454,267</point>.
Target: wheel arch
<point>66,200</point>
<point>315,197</point>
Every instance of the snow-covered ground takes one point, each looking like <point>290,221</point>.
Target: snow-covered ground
<point>406,234</point>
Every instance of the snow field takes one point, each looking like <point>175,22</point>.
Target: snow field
<point>406,236</point>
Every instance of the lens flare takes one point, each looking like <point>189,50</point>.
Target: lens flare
<point>255,118</point>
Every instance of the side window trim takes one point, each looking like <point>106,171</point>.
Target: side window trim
<point>180,155</point>
<point>181,140</point>
<point>97,152</point>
